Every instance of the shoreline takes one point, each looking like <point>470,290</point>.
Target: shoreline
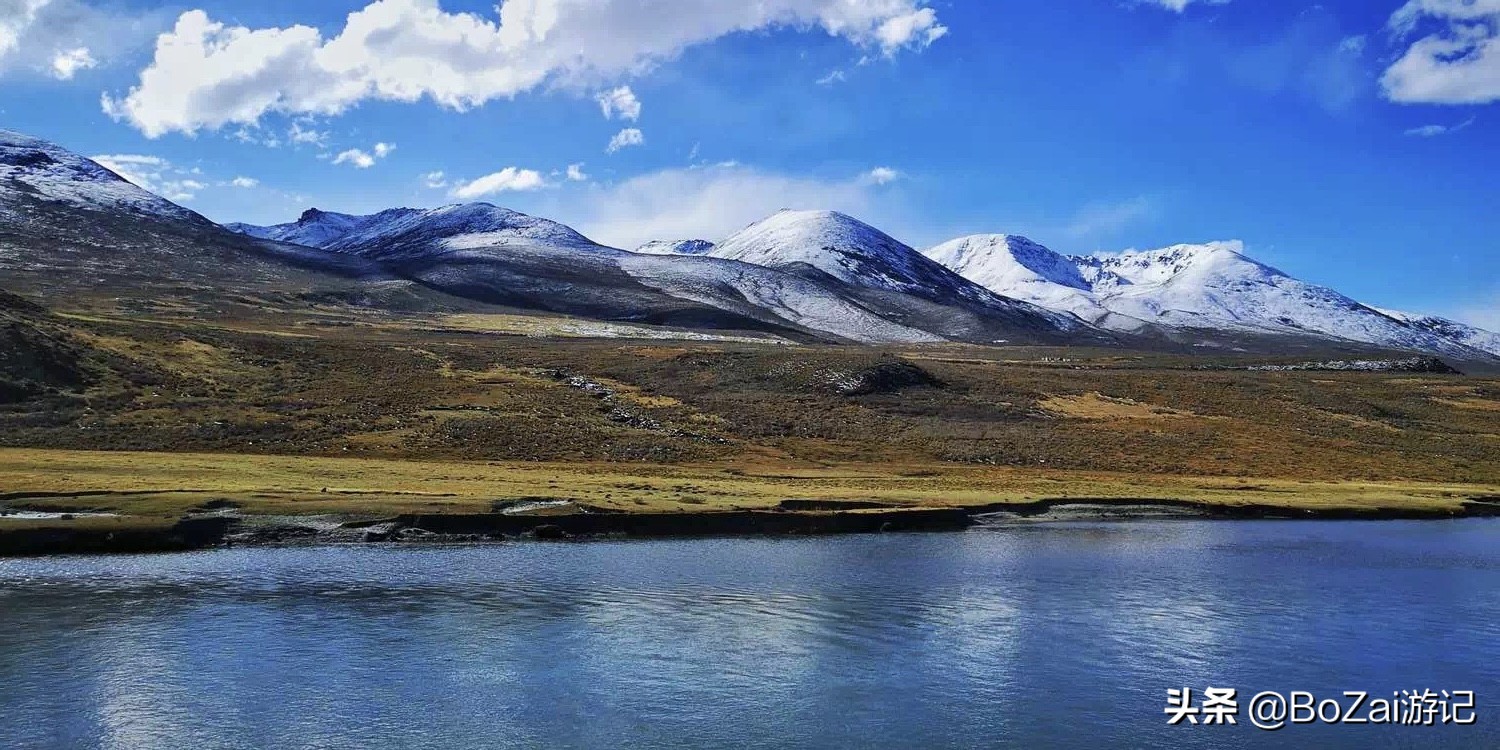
<point>125,535</point>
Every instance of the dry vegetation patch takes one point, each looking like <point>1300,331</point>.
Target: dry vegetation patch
<point>1095,405</point>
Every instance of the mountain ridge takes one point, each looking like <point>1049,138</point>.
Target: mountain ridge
<point>1187,287</point>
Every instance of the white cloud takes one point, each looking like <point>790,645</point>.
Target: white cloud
<point>1178,6</point>
<point>508,179</point>
<point>575,173</point>
<point>357,157</point>
<point>244,182</point>
<point>834,76</point>
<point>435,180</point>
<point>15,18</point>
<point>624,139</point>
<point>882,176</point>
<point>362,159</point>
<point>707,202</point>
<point>306,135</point>
<point>66,64</point>
<point>59,38</point>
<point>917,28</point>
<point>207,74</point>
<point>1100,220</point>
<point>1432,131</point>
<point>1459,63</point>
<point>621,102</point>
<point>154,174</point>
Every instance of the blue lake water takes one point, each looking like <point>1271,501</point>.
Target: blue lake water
<point>1054,635</point>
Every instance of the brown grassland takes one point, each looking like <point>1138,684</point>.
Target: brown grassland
<point>154,413</point>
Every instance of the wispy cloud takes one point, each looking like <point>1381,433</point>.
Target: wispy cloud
<point>155,174</point>
<point>1432,131</point>
<point>1102,220</point>
<point>1178,6</point>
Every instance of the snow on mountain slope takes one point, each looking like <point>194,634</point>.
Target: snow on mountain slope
<point>1467,335</point>
<point>1209,287</point>
<point>1017,267</point>
<point>49,172</point>
<point>679,247</point>
<point>846,249</point>
<point>402,232</point>
<point>1217,286</point>
<point>314,228</point>
<point>837,246</point>
<point>805,302</point>
<point>505,257</point>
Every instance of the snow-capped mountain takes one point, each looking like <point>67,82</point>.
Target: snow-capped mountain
<point>831,245</point>
<point>1017,267</point>
<point>68,225</point>
<point>314,228</point>
<point>33,168</point>
<point>505,257</point>
<point>679,247</point>
<point>1468,335</point>
<point>846,249</point>
<point>1200,288</point>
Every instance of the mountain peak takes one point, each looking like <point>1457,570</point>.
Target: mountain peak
<point>836,244</point>
<point>457,226</point>
<point>57,174</point>
<point>1006,260</point>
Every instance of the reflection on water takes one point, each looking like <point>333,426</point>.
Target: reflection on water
<point>1064,635</point>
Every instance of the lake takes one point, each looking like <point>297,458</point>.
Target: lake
<point>1044,635</point>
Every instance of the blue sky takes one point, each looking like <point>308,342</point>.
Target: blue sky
<point>1354,143</point>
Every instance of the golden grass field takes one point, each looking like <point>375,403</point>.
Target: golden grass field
<point>171,484</point>
<point>371,414</point>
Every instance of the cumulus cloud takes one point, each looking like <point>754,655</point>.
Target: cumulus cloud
<point>624,139</point>
<point>155,174</point>
<point>362,159</point>
<point>207,74</point>
<point>882,176</point>
<point>620,102</point>
<point>244,182</point>
<point>708,202</point>
<point>1457,61</point>
<point>575,173</point>
<point>435,180</point>
<point>508,179</point>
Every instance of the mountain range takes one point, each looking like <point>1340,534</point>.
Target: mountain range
<point>70,226</point>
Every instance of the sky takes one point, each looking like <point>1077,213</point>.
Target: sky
<point>1352,143</point>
